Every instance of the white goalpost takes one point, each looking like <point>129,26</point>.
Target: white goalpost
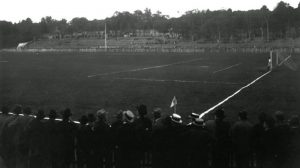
<point>278,58</point>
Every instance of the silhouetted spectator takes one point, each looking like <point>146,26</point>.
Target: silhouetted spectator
<point>268,143</point>
<point>115,129</point>
<point>198,141</point>
<point>160,142</point>
<point>36,137</point>
<point>294,149</point>
<point>258,134</point>
<point>219,129</point>
<point>8,138</point>
<point>4,118</point>
<point>175,138</point>
<point>242,140</point>
<point>102,138</point>
<point>84,146</point>
<point>51,134</point>
<point>18,144</point>
<point>127,138</point>
<point>156,115</point>
<point>282,138</point>
<point>143,126</point>
<point>66,139</point>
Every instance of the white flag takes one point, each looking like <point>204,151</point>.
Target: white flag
<point>174,102</point>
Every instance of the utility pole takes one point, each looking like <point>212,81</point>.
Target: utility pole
<point>105,39</point>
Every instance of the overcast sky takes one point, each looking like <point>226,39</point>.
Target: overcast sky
<point>16,10</point>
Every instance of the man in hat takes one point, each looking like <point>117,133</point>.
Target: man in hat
<point>198,141</point>
<point>36,137</point>
<point>127,141</point>
<point>176,131</point>
<point>193,117</point>
<point>51,145</point>
<point>83,139</point>
<point>242,133</point>
<point>66,136</point>
<point>219,130</point>
<point>103,142</point>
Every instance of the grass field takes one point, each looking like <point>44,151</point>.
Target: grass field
<point>86,82</point>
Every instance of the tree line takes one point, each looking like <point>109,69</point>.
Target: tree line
<point>196,25</point>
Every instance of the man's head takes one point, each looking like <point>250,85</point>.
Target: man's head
<point>219,114</point>
<point>156,113</point>
<point>66,114</point>
<point>52,114</point>
<point>243,115</point>
<point>4,110</point>
<point>142,110</point>
<point>18,109</point>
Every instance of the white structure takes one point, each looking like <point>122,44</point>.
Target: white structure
<point>21,46</point>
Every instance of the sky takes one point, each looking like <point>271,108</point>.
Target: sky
<point>17,10</point>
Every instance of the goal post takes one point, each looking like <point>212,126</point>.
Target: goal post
<point>279,58</point>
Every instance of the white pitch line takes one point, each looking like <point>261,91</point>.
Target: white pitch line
<point>235,93</point>
<point>3,61</point>
<point>227,68</point>
<point>180,81</point>
<point>146,68</point>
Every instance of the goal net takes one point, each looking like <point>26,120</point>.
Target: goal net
<point>282,58</point>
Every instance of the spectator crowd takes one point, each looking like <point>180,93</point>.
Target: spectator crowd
<point>131,141</point>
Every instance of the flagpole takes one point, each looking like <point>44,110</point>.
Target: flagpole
<point>175,109</point>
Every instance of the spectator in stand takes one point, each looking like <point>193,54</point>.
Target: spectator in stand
<point>91,119</point>
<point>294,148</point>
<point>282,138</point>
<point>102,137</point>
<point>241,133</point>
<point>198,142</point>
<point>127,137</point>
<point>51,132</point>
<point>66,138</point>
<point>258,134</point>
<point>36,137</point>
<point>219,130</point>
<point>83,143</point>
<point>143,126</point>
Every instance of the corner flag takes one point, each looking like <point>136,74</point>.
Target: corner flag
<point>174,102</point>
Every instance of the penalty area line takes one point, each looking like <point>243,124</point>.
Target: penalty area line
<point>179,81</point>
<point>224,69</point>
<point>146,68</point>
<point>235,93</point>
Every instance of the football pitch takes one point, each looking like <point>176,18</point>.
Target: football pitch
<point>86,82</point>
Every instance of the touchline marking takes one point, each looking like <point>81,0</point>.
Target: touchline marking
<point>180,81</point>
<point>146,68</point>
<point>227,68</point>
<point>235,93</point>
